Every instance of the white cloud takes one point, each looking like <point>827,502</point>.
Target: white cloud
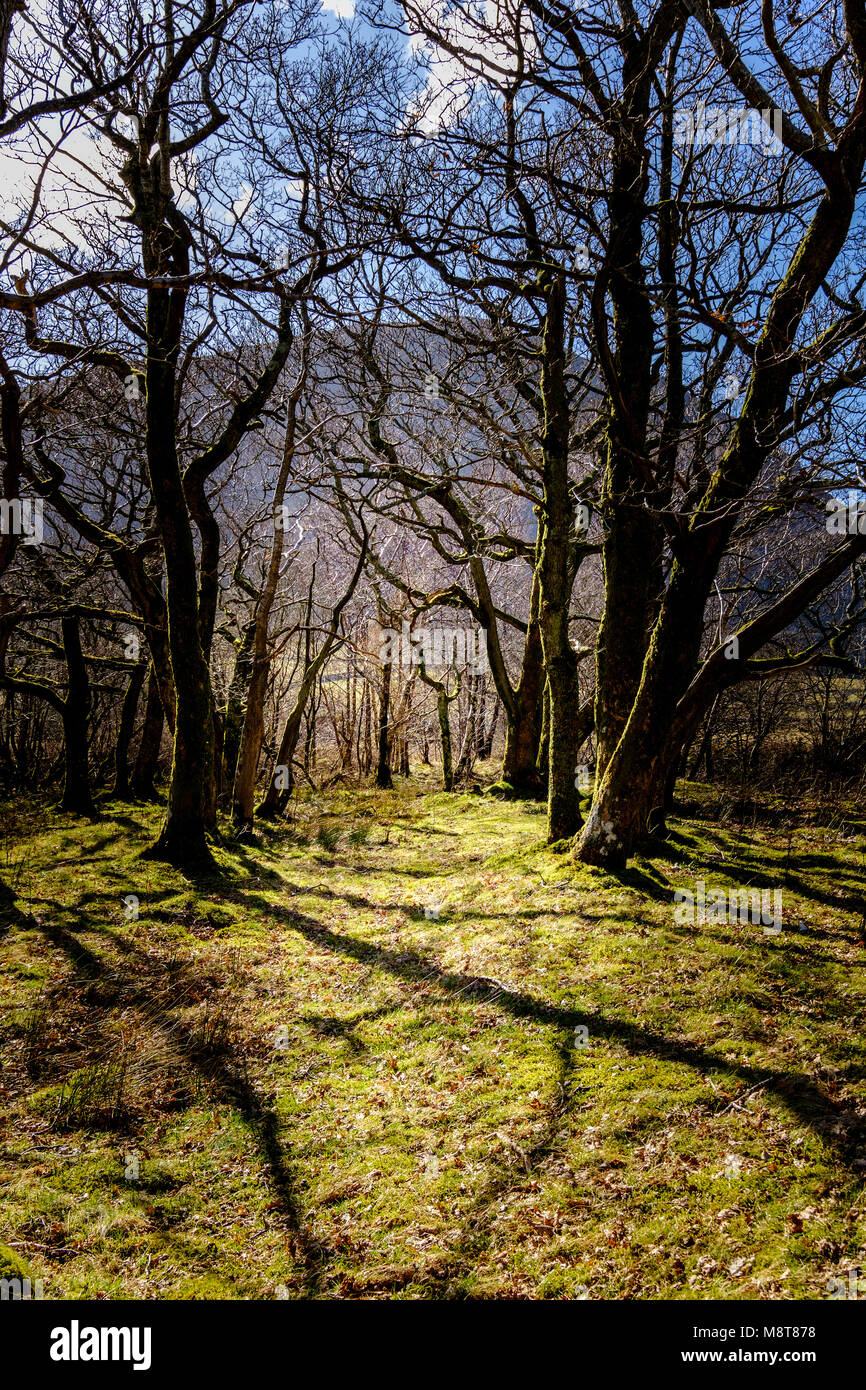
<point>80,189</point>
<point>343,9</point>
<point>483,36</point>
<point>242,203</point>
<point>81,195</point>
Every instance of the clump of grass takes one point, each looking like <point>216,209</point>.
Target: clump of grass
<point>216,1030</point>
<point>94,1097</point>
<point>34,1032</point>
<point>328,836</point>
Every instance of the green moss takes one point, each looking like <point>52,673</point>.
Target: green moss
<point>430,1125</point>
<point>12,1266</point>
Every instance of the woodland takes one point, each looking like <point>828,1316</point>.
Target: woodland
<point>432,634</point>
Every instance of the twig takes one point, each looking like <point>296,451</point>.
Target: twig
<point>36,1245</point>
<point>758,1086</point>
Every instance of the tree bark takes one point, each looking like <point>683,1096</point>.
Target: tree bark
<point>383,764</point>
<point>556,571</point>
<point>77,795</point>
<point>253,730</point>
<point>524,715</point>
<point>147,758</point>
<point>121,788</point>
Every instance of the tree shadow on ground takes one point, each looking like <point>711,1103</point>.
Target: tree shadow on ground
<point>222,1070</point>
<point>797,1091</point>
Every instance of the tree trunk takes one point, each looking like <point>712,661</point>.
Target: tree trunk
<point>147,758</point>
<point>445,736</point>
<point>76,709</point>
<point>126,729</point>
<point>253,731</point>
<point>165,244</point>
<point>443,700</point>
<point>183,839</point>
<point>556,570</point>
<point>233,718</point>
<point>383,765</point>
<point>705,749</point>
<point>524,722</point>
<point>486,751</point>
<point>466,760</point>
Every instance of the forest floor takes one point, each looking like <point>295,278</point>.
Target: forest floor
<point>400,1049</point>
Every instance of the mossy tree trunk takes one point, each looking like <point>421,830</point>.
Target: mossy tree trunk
<point>147,757</point>
<point>658,722</point>
<point>631,492</point>
<point>126,728</point>
<point>524,713</point>
<point>233,716</point>
<point>77,796</point>
<point>556,569</point>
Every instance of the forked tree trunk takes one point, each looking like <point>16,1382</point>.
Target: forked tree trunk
<point>524,721</point>
<point>443,700</point>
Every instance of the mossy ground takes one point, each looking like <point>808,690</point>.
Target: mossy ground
<point>354,1065</point>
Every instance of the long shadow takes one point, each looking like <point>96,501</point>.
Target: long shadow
<point>509,1172</point>
<point>83,922</point>
<point>755,878</point>
<point>513,1169</point>
<point>643,882</point>
<point>759,877</point>
<point>221,1070</point>
<point>785,941</point>
<point>366,905</point>
<point>10,914</point>
<point>330,1027</point>
<point>796,1091</point>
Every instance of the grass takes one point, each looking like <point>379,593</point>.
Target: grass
<point>400,1049</point>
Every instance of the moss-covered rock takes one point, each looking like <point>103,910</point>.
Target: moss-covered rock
<point>503,789</point>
